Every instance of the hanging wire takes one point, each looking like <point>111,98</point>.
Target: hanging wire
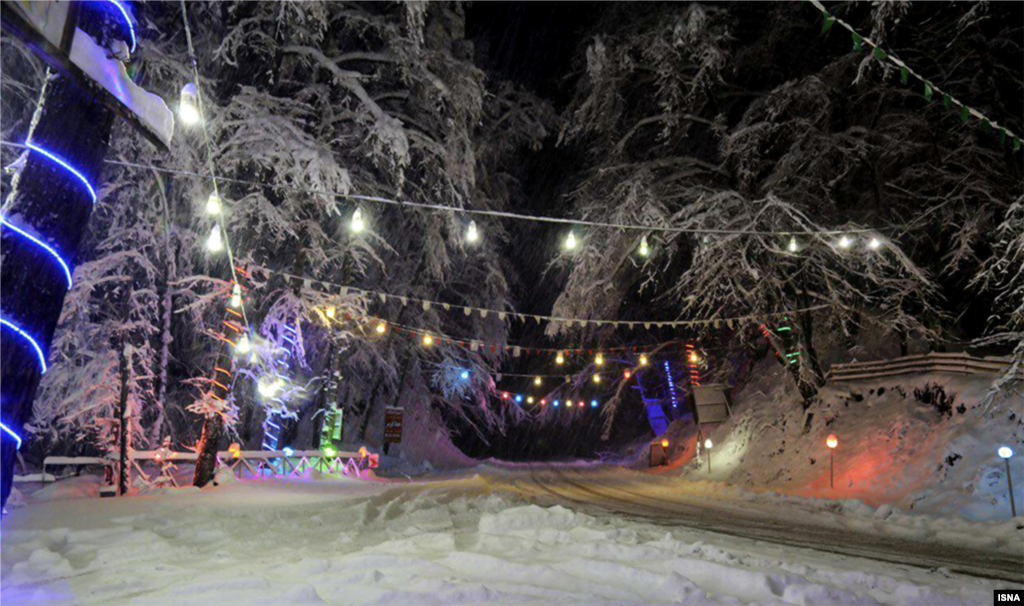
<point>479,211</point>
<point>209,154</point>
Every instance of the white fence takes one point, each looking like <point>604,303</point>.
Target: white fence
<point>257,463</point>
<point>958,363</point>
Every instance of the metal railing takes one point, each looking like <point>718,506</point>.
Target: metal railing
<point>258,463</point>
<point>957,363</point>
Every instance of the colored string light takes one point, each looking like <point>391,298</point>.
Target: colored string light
<point>127,19</point>
<point>49,249</point>
<point>11,433</point>
<point>35,345</point>
<point>68,167</point>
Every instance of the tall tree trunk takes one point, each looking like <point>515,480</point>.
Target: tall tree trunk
<point>206,463</point>
<point>54,204</point>
<point>123,424</point>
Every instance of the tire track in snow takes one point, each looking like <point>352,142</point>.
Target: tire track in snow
<point>579,487</point>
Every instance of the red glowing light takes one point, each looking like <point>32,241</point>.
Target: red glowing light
<point>504,395</point>
<point>543,402</point>
<point>831,441</point>
<point>627,374</point>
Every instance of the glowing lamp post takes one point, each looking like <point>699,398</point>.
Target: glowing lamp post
<point>707,445</point>
<point>831,441</point>
<point>1005,452</point>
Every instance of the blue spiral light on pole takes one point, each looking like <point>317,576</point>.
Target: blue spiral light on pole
<point>8,325</point>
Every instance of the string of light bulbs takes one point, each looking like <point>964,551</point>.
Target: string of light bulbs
<point>473,233</point>
<point>483,312</point>
<point>430,338</point>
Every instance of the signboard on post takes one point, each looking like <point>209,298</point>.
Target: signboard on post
<point>50,29</point>
<point>393,425</point>
<point>711,403</point>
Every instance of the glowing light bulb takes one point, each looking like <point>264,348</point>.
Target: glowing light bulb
<point>664,443</point>
<point>519,398</point>
<point>597,378</point>
<point>555,403</point>
<point>243,346</point>
<point>504,395</point>
<point>537,381</point>
<point>707,443</point>
<point>831,441</point>
<point>472,235</point>
<point>464,374</point>
<point>627,374</point>
<point>793,247</point>
<point>593,403</point>
<point>187,109</point>
<point>213,205</point>
<point>330,452</point>
<point>529,400</point>
<point>559,359</point>
<point>357,225</point>
<point>381,328</point>
<point>845,242</point>
<point>599,360</point>
<point>428,340</point>
<point>570,241</point>
<point>331,311</point>
<point>1005,452</point>
<point>874,244</point>
<point>236,296</point>
<point>267,387</point>
<point>543,402</point>
<point>644,248</point>
<point>215,243</point>
<point>693,356</point>
<point>643,360</point>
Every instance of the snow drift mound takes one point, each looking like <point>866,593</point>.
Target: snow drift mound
<point>922,443</point>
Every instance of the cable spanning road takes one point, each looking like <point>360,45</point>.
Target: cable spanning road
<point>634,496</point>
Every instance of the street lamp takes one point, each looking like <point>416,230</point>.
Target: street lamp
<point>831,441</point>
<point>1005,452</point>
<point>708,444</point>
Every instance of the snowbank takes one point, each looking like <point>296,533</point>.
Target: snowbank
<point>918,444</point>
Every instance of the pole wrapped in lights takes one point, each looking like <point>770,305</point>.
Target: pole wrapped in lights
<point>128,22</point>
<point>40,356</point>
<point>63,163</point>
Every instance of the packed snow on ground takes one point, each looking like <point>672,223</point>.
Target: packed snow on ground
<point>344,541</point>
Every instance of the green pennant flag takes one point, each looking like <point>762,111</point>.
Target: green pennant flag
<point>827,25</point>
<point>986,125</point>
<point>1016,143</point>
<point>945,100</point>
<point>904,74</point>
<point>856,40</point>
<point>880,54</point>
<point>965,114</point>
<point>927,91</point>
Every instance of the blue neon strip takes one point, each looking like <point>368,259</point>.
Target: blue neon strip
<point>49,249</point>
<point>11,433</point>
<point>27,337</point>
<point>127,19</point>
<point>71,169</point>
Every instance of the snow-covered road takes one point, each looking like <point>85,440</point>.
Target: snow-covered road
<point>491,537</point>
<point>798,523</point>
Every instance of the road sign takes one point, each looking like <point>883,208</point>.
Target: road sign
<point>393,425</point>
<point>51,30</point>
